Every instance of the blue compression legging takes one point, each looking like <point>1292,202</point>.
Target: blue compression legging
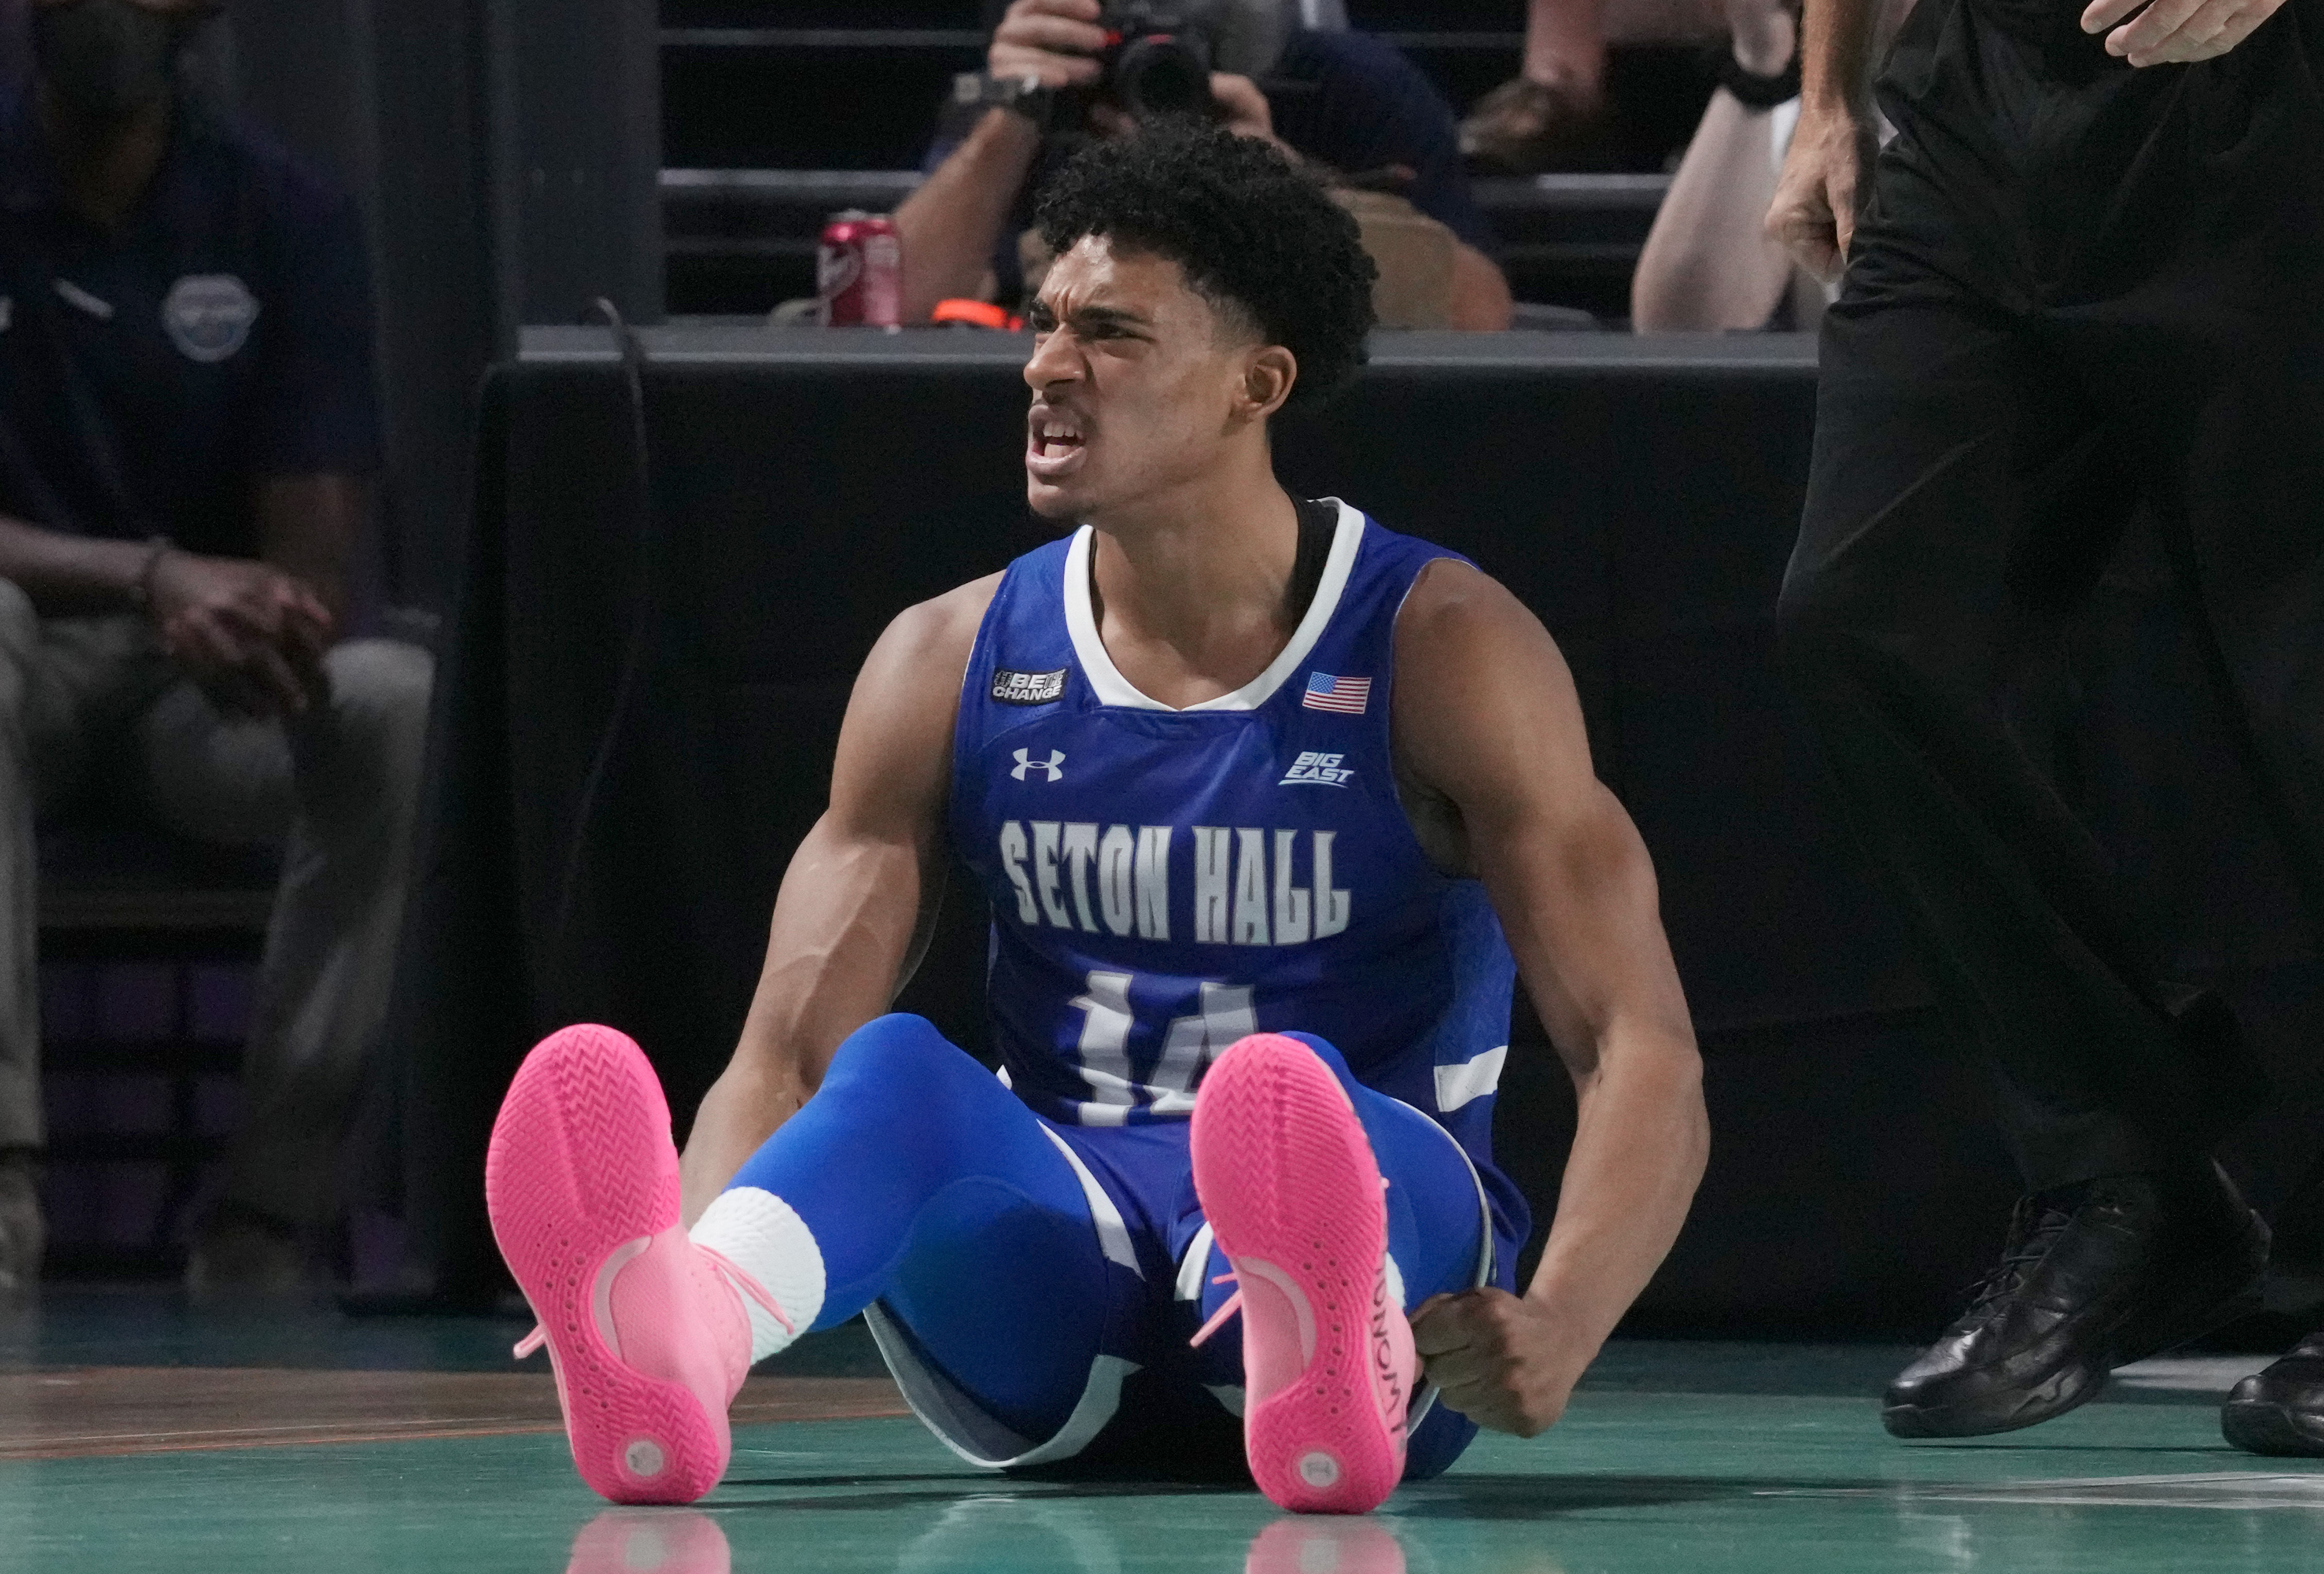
<point>927,1182</point>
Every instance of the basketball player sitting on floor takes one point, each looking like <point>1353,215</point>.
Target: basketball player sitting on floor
<point>1263,798</point>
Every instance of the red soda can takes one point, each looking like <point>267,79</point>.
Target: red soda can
<point>858,271</point>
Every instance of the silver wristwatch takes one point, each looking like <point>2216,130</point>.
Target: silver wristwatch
<point>982,90</point>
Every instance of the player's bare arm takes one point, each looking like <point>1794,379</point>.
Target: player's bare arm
<point>1497,768</point>
<point>860,897</point>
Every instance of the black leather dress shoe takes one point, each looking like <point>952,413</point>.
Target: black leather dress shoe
<point>2119,1270</point>
<point>2280,1411</point>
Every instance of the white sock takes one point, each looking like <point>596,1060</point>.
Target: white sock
<point>758,1231</point>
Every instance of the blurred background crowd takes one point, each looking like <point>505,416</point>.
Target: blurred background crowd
<point>253,257</point>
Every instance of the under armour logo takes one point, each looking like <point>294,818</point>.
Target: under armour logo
<point>1055,765</point>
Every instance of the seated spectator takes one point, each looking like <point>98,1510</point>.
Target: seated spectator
<point>186,431</point>
<point>1553,114</point>
<point>1341,100</point>
<point>1708,265</point>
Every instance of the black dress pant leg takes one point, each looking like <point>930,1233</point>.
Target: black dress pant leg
<point>1964,498</point>
<point>2240,387</point>
<point>1999,395</point>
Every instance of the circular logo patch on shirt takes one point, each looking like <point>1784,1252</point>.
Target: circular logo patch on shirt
<point>209,316</point>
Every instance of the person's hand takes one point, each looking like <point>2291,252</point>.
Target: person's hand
<point>2169,32</point>
<point>1242,107</point>
<point>1813,215</point>
<point>1052,39</point>
<point>1500,1359</point>
<point>250,634</point>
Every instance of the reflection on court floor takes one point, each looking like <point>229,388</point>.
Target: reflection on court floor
<point>2227,1489</point>
<point>983,1531</point>
<point>134,1435</point>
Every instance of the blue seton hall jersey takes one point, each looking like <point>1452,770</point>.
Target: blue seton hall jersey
<point>1164,881</point>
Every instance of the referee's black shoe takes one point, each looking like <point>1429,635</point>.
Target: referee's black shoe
<point>2093,1278</point>
<point>2280,1411</point>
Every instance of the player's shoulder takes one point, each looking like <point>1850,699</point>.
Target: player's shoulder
<point>952,617</point>
<point>930,642</point>
<point>908,694</point>
<point>1454,605</point>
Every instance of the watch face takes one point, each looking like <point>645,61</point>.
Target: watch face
<point>977,87</point>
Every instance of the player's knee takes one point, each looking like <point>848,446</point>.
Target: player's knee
<point>900,1051</point>
<point>1325,1053</point>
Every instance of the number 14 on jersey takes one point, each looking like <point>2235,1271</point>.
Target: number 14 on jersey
<point>1189,1043</point>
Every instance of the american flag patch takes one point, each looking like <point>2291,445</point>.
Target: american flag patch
<point>1326,692</point>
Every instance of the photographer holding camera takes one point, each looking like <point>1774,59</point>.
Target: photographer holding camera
<point>1062,71</point>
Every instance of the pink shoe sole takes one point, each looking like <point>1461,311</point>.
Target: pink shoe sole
<point>1288,1183</point>
<point>581,1169</point>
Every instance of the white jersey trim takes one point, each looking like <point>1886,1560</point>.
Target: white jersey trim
<point>1425,1399</point>
<point>1191,1266</point>
<point>1111,688</point>
<point>1471,1080</point>
<point>1112,1234</point>
<point>979,1438</point>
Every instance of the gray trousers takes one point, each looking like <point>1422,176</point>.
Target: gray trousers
<point>87,698</point>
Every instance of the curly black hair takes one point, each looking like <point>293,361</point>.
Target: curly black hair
<point>1256,235</point>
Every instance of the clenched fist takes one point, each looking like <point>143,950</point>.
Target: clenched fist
<point>1503,1361</point>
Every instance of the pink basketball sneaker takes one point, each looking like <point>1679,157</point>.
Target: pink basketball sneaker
<point>645,1329</point>
<point>1287,1181</point>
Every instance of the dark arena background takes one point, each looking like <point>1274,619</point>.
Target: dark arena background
<point>649,570</point>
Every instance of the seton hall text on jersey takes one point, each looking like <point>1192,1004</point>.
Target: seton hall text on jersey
<point>1245,885</point>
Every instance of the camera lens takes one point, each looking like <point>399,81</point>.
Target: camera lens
<point>1160,74</point>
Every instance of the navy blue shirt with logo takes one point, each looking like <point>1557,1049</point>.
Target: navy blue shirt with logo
<point>149,376</point>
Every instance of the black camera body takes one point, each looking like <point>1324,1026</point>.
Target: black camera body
<point>1160,56</point>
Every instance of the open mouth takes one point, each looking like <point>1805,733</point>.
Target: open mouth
<point>1055,443</point>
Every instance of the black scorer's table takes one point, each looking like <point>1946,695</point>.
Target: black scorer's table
<point>1640,494</point>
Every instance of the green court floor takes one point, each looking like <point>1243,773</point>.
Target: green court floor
<point>1677,1457</point>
